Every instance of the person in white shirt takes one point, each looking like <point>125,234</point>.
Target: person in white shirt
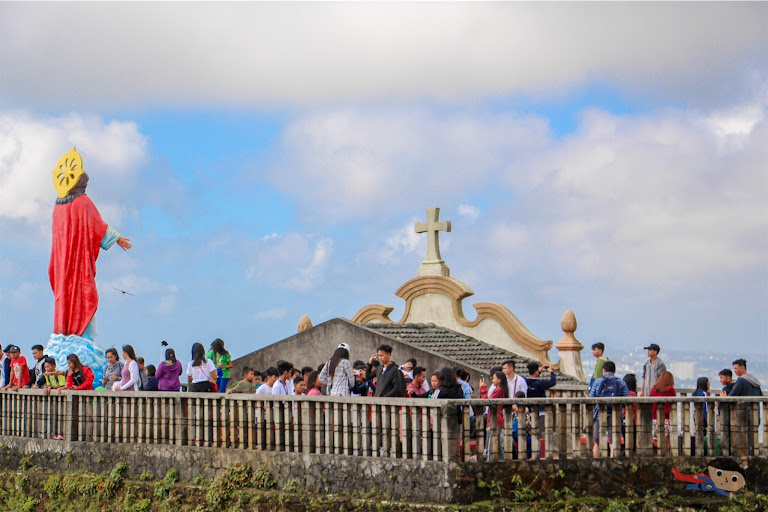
<point>516,382</point>
<point>201,372</point>
<point>270,378</point>
<point>280,387</point>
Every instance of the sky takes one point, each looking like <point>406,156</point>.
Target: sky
<point>269,160</point>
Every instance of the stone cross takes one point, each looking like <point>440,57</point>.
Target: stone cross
<point>433,265</point>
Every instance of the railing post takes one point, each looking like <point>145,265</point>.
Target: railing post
<point>644,430</point>
<point>563,415</point>
<point>763,406</point>
<point>754,428</point>
<point>726,410</point>
<point>450,433</point>
<point>71,417</point>
<point>699,419</point>
<point>739,428</point>
<point>493,433</point>
<point>180,419</point>
<point>307,427</point>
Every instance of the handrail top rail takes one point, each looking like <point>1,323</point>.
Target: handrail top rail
<point>419,402</point>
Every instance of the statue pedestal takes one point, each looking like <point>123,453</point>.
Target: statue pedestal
<point>90,353</point>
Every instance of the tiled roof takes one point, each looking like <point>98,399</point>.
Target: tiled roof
<point>455,345</point>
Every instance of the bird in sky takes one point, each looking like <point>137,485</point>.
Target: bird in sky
<point>124,292</point>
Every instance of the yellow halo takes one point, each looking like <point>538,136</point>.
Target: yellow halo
<point>67,173</point>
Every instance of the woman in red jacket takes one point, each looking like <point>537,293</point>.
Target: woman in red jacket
<point>665,386</point>
<point>79,376</point>
<point>499,383</point>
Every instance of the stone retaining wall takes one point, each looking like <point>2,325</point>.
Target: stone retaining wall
<point>422,481</point>
<point>429,481</point>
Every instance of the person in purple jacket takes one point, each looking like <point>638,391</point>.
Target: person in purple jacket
<point>168,372</point>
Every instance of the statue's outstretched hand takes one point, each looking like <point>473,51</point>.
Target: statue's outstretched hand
<point>124,243</point>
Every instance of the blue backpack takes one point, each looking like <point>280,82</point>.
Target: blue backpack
<point>610,387</point>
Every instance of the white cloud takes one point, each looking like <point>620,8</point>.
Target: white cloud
<point>661,199</point>
<point>292,261</point>
<point>270,314</point>
<point>650,200</point>
<point>31,145</point>
<point>271,53</point>
<point>24,293</point>
<point>359,162</point>
<point>398,242</point>
<point>311,275</point>
<point>167,303</point>
<point>469,212</point>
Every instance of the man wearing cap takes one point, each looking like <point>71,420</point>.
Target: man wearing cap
<point>652,369</point>
<point>19,369</point>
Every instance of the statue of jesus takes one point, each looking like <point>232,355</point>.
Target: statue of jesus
<point>78,234</point>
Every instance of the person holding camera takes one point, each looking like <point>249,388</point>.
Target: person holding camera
<point>362,386</point>
<point>537,388</point>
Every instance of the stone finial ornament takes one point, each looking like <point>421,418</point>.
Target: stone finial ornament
<point>568,341</point>
<point>570,348</point>
<point>67,173</point>
<point>304,323</point>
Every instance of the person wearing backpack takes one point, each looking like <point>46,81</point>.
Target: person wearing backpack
<point>606,386</point>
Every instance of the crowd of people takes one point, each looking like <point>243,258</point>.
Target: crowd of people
<point>380,376</point>
<point>206,371</point>
<point>656,381</point>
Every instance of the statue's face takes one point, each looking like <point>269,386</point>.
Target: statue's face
<point>730,481</point>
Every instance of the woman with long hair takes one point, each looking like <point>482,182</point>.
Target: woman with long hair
<point>314,384</point>
<point>222,360</point>
<point>79,376</point>
<point>201,372</point>
<point>665,386</point>
<point>500,390</point>
<point>702,389</point>
<point>449,385</point>
<point>630,380</point>
<point>130,373</point>
<point>337,372</point>
<point>168,372</point>
<point>113,369</point>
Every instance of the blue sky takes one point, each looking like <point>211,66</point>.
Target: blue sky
<point>269,161</point>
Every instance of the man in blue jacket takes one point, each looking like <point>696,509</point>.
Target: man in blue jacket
<point>537,388</point>
<point>606,386</point>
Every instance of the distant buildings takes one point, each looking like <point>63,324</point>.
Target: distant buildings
<point>683,370</point>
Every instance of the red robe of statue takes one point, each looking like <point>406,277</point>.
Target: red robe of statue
<point>77,233</point>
